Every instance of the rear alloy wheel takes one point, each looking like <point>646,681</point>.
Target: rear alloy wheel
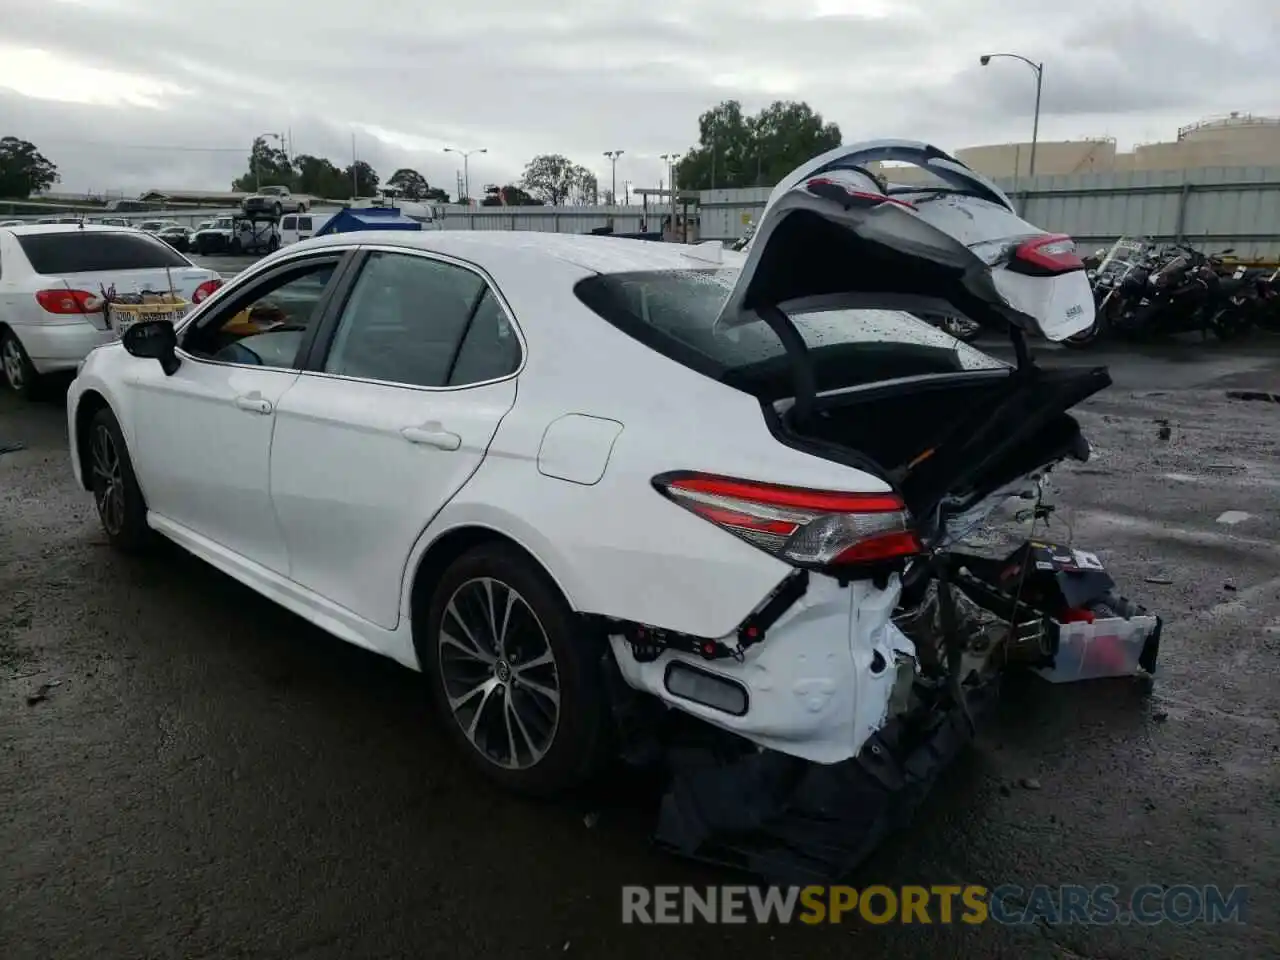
<point>514,676</point>
<point>116,494</point>
<point>19,373</point>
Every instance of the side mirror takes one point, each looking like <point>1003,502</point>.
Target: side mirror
<point>154,340</point>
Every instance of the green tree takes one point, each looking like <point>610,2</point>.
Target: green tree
<point>363,176</point>
<point>508,196</point>
<point>735,150</point>
<point>437,194</point>
<point>411,184</point>
<point>550,177</point>
<point>268,166</point>
<point>586,190</point>
<point>319,177</point>
<point>24,170</point>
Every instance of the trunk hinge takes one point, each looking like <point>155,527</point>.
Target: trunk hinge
<point>804,382</point>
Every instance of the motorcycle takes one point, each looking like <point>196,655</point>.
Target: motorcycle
<point>1118,279</point>
<point>1143,290</point>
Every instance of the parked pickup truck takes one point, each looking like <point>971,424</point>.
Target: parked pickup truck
<point>275,200</point>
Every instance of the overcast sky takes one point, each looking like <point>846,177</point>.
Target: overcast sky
<point>153,94</point>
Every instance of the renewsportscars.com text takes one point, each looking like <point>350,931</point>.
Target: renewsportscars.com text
<point>1009,904</point>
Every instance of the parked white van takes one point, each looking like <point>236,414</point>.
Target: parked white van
<point>301,226</point>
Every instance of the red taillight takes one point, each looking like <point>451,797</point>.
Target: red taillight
<point>66,301</point>
<point>1052,253</point>
<point>825,187</point>
<point>205,289</point>
<point>798,525</point>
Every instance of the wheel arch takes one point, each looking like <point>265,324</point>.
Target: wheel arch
<point>90,402</point>
<point>447,547</point>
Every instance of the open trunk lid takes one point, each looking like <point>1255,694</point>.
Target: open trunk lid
<point>834,233</point>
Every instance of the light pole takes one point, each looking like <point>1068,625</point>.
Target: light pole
<point>671,159</point>
<point>466,169</point>
<point>613,156</point>
<point>257,175</point>
<point>986,58</point>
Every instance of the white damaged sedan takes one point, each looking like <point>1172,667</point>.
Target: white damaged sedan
<point>591,486</point>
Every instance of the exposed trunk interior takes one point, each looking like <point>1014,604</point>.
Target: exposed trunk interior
<point>959,437</point>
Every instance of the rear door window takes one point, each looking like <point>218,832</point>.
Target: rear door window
<point>289,223</point>
<point>405,320</point>
<point>91,251</point>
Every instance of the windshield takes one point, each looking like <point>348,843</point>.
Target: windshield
<point>272,191</point>
<point>1125,254</point>
<point>223,224</point>
<point>675,313</point>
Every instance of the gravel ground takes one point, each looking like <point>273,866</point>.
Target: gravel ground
<point>213,777</point>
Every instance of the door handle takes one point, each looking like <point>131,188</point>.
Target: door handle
<point>432,435</point>
<point>254,404</point>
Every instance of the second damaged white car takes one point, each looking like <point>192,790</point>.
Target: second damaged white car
<point>591,486</point>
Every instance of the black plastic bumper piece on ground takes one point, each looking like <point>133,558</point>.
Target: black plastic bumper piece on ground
<point>790,821</point>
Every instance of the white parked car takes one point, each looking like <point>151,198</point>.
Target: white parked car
<point>51,282</point>
<point>561,475</point>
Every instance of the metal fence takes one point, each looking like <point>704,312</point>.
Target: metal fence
<point>1213,208</point>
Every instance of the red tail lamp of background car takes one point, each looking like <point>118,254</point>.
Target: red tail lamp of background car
<point>799,525</point>
<point>205,289</point>
<point>64,301</point>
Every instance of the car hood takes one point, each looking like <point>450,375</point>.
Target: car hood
<point>833,235</point>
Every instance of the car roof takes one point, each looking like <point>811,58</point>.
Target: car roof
<point>590,252</point>
<point>35,228</point>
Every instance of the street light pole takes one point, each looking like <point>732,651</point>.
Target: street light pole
<point>986,58</point>
<point>466,167</point>
<point>671,159</point>
<point>613,156</point>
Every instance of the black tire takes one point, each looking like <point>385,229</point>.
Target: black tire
<point>16,370</point>
<point>235,246</point>
<point>277,209</point>
<point>273,245</point>
<point>576,748</point>
<point>116,494</point>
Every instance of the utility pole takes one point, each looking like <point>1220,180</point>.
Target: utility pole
<point>466,167</point>
<point>671,159</point>
<point>613,156</point>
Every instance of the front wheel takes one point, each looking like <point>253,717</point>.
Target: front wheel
<point>513,674</point>
<point>121,508</point>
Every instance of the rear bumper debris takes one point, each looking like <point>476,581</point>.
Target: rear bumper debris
<point>791,821</point>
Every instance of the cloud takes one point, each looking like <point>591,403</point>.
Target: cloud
<point>134,94</point>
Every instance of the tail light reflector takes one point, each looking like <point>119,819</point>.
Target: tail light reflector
<point>64,302</point>
<point>1050,254</point>
<point>798,525</point>
<point>205,289</point>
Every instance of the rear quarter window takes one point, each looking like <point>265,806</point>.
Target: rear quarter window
<point>92,251</point>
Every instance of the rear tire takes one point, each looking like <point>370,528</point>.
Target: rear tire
<point>16,367</point>
<point>116,494</point>
<point>516,680</point>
